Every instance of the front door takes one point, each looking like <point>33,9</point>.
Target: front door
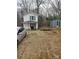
<point>33,26</point>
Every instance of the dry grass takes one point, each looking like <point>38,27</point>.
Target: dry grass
<point>40,45</point>
<point>45,29</point>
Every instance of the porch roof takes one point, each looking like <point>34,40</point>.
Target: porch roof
<point>29,22</point>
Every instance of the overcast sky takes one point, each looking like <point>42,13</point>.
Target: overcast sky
<point>43,7</point>
<point>33,4</point>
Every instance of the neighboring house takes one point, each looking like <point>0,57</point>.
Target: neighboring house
<point>55,23</point>
<point>30,21</point>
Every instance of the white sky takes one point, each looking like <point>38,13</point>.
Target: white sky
<point>29,1</point>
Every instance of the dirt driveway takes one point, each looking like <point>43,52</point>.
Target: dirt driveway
<point>40,45</point>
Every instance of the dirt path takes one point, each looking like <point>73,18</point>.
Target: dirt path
<point>40,45</point>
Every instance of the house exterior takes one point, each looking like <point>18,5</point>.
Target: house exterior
<point>30,21</point>
<point>55,23</point>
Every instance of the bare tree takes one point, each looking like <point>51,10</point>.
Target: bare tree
<point>19,18</point>
<point>38,3</point>
<point>56,6</point>
<point>25,5</point>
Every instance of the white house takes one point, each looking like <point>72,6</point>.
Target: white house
<point>30,21</point>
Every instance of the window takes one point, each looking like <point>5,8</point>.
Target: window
<point>32,18</point>
<point>57,23</point>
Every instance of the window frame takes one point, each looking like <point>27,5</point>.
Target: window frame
<point>32,18</point>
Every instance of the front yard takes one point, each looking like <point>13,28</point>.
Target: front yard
<point>40,45</point>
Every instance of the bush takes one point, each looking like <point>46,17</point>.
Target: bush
<point>46,29</point>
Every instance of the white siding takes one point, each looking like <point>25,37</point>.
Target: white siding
<point>27,18</point>
<point>36,18</point>
<point>36,25</point>
<point>27,26</point>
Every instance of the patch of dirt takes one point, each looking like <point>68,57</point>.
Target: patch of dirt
<point>40,45</point>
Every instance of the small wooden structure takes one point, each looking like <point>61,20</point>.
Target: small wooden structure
<point>55,23</point>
